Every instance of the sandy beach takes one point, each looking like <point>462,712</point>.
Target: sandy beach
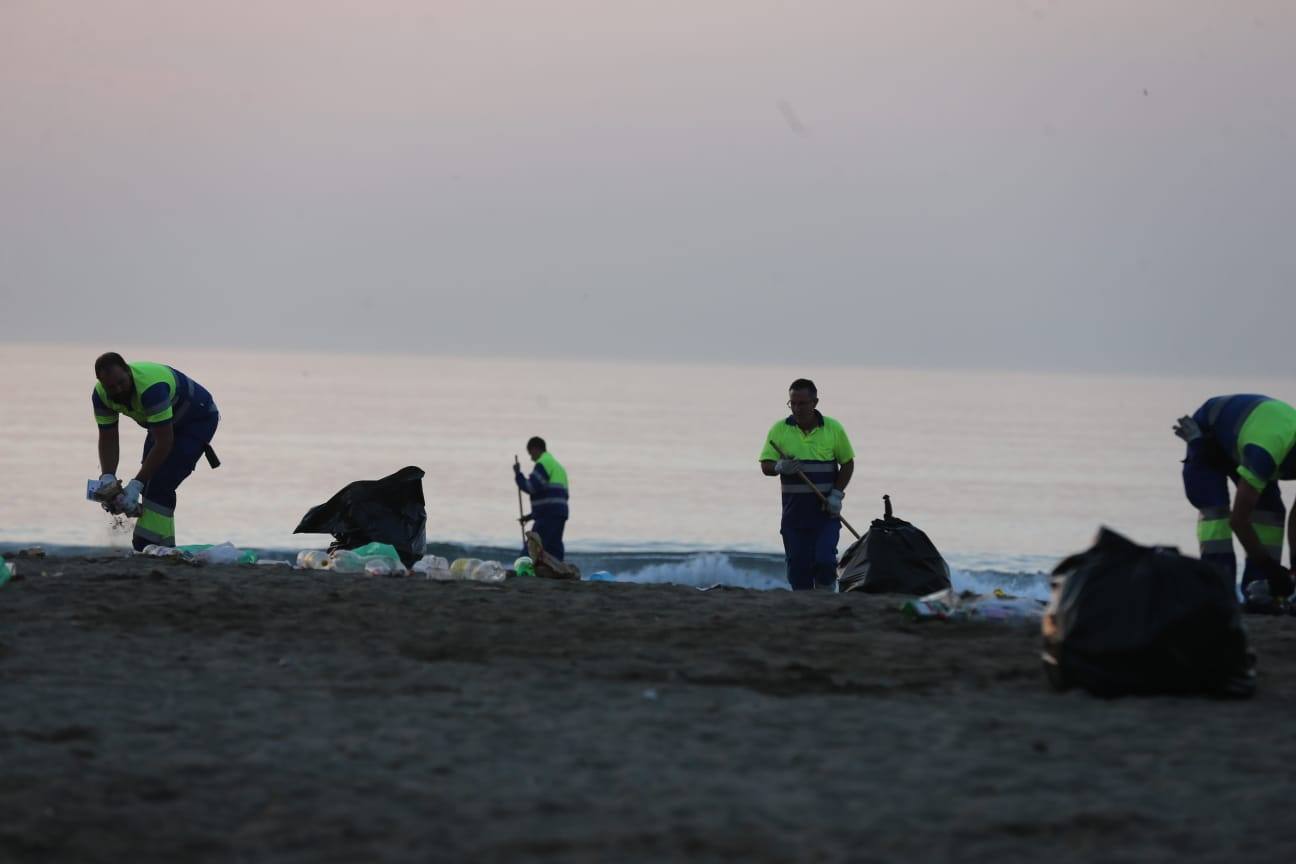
<point>159,712</point>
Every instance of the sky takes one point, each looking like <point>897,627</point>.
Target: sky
<point>1017,184</point>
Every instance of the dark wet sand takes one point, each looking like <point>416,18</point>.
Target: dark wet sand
<point>157,712</point>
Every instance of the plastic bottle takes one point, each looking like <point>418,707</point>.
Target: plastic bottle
<point>382,566</point>
<point>313,559</point>
<point>433,567</point>
<point>225,553</point>
<point>488,571</point>
<point>346,561</point>
<point>601,576</point>
<point>524,566</point>
<point>462,568</point>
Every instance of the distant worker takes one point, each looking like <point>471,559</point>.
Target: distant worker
<point>816,446</point>
<point>1249,440</point>
<point>548,488</point>
<point>181,419</point>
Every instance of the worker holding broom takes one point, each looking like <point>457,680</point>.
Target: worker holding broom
<point>813,459</point>
<point>548,488</point>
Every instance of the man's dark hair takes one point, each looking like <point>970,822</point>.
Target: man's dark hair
<point>537,442</point>
<point>805,384</point>
<point>108,361</point>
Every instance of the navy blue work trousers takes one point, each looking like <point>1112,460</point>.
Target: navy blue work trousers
<point>810,548</point>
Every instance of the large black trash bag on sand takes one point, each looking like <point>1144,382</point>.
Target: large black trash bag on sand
<point>893,557</point>
<point>390,510</point>
<point>1131,619</point>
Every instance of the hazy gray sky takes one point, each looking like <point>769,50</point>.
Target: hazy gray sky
<point>1097,184</point>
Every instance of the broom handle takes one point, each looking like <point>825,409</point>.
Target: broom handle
<point>815,489</point>
<point>517,466</point>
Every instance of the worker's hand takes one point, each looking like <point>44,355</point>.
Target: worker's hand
<point>787,466</point>
<point>834,503</point>
<point>109,487</point>
<point>1187,429</point>
<point>130,497</point>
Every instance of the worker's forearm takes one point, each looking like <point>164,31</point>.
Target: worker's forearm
<point>109,454</point>
<point>1250,540</point>
<point>844,475</point>
<point>767,468</point>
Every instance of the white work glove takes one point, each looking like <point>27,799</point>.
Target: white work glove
<point>787,466</point>
<point>130,497</point>
<point>834,502</point>
<point>1187,429</point>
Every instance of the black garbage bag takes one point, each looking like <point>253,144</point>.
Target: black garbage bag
<point>390,510</point>
<point>1131,619</point>
<point>893,557</point>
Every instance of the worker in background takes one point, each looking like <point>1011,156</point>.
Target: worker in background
<point>818,447</point>
<point>548,488</point>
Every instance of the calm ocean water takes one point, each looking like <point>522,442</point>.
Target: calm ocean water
<point>1005,471</point>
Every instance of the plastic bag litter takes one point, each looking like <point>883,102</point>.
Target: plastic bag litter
<point>893,557</point>
<point>390,511</point>
<point>1131,619</point>
<point>222,553</point>
<point>947,605</point>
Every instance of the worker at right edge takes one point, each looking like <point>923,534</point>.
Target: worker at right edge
<point>816,446</point>
<point>1250,440</point>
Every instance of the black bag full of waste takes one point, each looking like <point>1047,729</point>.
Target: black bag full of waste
<point>390,510</point>
<point>893,557</point>
<point>1128,619</point>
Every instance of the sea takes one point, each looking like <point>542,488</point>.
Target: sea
<point>1006,471</point>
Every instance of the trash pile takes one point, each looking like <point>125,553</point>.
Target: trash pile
<point>947,605</point>
<point>201,553</point>
<point>373,559</point>
<point>389,511</point>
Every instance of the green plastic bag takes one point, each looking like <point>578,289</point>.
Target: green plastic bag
<point>378,550</point>
<point>7,571</point>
